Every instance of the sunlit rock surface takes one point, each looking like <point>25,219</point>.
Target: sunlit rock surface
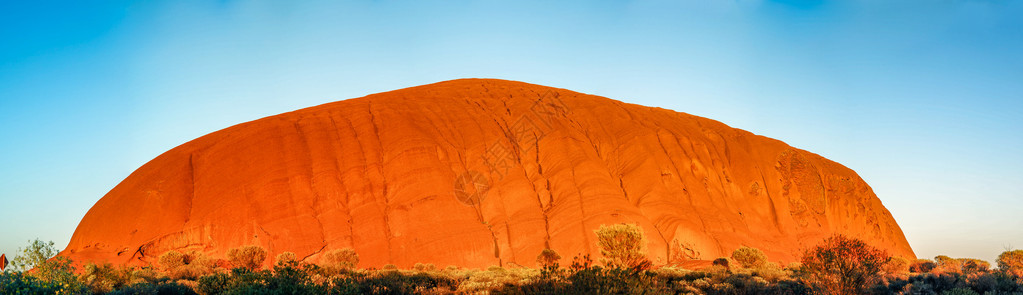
<point>480,172</point>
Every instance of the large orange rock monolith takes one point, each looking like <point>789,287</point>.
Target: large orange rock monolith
<point>480,172</point>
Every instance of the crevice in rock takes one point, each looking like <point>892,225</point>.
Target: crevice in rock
<point>191,175</point>
<point>315,204</point>
<point>582,212</point>
<point>314,252</point>
<point>388,232</point>
<point>337,167</point>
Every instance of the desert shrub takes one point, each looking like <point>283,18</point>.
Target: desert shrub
<point>922,266</point>
<point>55,276</point>
<point>722,262</point>
<point>1011,262</point>
<point>186,266</point>
<point>389,267</point>
<point>250,257</point>
<point>547,258</point>
<point>622,245</point>
<point>59,271</point>
<point>217,283</point>
<point>748,257</point>
<point>953,283</point>
<point>396,282</point>
<point>143,274</point>
<point>48,275</point>
<point>897,265</point>
<point>341,259</point>
<point>286,258</point>
<point>424,267</point>
<point>158,287</point>
<point>586,278</point>
<point>842,265</point>
<point>171,260</point>
<point>15,282</point>
<point>286,278</point>
<point>495,277</point>
<point>771,272</point>
<point>947,264</point>
<point>971,265</point>
<point>104,278</point>
<point>959,291</point>
<point>293,277</point>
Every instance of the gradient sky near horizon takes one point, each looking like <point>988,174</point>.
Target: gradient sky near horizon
<point>922,98</point>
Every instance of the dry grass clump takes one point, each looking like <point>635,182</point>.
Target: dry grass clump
<point>495,277</point>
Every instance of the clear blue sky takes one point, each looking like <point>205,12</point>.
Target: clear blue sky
<point>922,98</point>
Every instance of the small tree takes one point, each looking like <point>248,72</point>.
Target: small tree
<point>749,257</point>
<point>842,265</point>
<point>1011,262</point>
<point>341,259</point>
<point>33,256</point>
<point>623,246</point>
<point>548,258</point>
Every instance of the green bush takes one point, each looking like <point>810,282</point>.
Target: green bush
<point>396,282</point>
<point>16,282</point>
<point>34,255</point>
<point>158,287</point>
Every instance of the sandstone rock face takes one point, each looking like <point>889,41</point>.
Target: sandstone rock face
<point>480,172</point>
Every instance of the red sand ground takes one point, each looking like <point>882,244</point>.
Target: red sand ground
<point>480,172</point>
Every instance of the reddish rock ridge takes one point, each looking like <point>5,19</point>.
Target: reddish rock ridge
<point>480,172</point>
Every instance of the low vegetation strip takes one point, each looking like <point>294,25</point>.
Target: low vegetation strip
<point>838,265</point>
